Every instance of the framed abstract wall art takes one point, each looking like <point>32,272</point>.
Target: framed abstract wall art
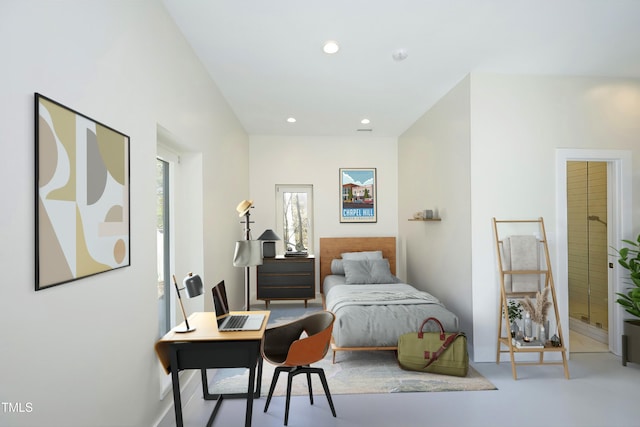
<point>81,195</point>
<point>358,195</point>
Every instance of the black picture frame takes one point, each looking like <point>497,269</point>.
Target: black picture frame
<point>82,196</point>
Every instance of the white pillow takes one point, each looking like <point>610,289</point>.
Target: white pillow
<point>362,255</point>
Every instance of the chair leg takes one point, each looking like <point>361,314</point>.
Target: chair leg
<point>292,373</point>
<point>326,390</point>
<point>309,386</point>
<point>276,374</point>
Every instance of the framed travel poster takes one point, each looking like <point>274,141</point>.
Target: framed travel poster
<point>358,195</point>
<point>81,195</point>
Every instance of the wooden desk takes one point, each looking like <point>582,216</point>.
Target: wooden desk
<point>205,348</point>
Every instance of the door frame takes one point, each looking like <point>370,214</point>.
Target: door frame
<point>619,176</point>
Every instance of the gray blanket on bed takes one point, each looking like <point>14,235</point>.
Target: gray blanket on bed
<point>376,315</point>
<point>397,293</point>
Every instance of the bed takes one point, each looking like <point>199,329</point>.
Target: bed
<point>371,316</point>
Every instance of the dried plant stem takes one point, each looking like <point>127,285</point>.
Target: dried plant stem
<point>540,309</point>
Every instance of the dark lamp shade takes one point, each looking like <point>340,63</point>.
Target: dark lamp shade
<point>269,235</point>
<point>193,285</point>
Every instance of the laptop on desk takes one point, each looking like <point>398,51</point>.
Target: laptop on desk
<point>232,322</point>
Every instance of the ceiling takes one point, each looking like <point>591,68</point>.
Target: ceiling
<point>266,55</point>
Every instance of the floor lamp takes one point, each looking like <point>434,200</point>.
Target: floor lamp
<point>248,253</point>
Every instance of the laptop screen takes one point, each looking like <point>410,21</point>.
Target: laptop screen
<point>220,303</point>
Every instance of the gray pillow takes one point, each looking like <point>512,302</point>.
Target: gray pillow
<point>368,271</point>
<point>362,255</point>
<point>337,267</point>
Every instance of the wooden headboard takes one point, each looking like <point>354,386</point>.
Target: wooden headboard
<point>332,248</point>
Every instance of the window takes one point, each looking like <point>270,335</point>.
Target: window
<point>166,163</point>
<point>163,233</point>
<point>294,216</point>
<point>179,231</point>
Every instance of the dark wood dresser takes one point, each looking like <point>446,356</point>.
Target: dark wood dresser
<point>286,278</point>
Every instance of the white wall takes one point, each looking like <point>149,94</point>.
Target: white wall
<point>82,353</point>
<point>317,160</point>
<point>434,174</point>
<point>517,123</point>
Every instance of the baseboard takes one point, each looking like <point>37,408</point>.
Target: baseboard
<point>588,330</point>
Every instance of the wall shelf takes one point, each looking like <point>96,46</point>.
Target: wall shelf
<point>424,219</point>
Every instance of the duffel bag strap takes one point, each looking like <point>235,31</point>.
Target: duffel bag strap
<point>420,333</point>
<point>436,354</point>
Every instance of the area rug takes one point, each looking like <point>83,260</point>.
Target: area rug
<point>355,372</point>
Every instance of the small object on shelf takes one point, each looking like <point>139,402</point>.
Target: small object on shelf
<point>514,311</point>
<point>527,344</point>
<point>543,331</point>
<point>425,215</point>
<point>528,327</point>
<point>302,254</point>
<point>515,330</point>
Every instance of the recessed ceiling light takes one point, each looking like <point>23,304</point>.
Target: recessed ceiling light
<point>400,55</point>
<point>365,121</point>
<point>331,47</point>
<point>291,119</point>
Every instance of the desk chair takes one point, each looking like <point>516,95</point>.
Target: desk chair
<point>286,348</point>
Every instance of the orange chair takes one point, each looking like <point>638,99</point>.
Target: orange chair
<point>286,348</point>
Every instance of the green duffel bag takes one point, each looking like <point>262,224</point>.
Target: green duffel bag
<point>435,352</point>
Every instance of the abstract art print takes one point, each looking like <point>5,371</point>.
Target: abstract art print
<point>81,195</point>
<point>358,195</point>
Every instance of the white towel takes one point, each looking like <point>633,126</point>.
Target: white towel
<point>521,253</point>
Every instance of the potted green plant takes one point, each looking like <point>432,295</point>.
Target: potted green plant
<point>514,311</point>
<point>629,259</point>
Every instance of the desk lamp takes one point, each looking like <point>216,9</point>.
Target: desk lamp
<point>193,285</point>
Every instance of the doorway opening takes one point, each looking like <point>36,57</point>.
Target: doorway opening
<point>587,239</point>
<point>619,227</point>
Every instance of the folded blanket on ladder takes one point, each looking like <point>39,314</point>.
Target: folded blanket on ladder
<point>521,253</point>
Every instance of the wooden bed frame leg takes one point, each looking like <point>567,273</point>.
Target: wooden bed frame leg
<point>334,357</point>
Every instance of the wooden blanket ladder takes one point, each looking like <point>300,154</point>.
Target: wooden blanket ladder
<point>506,275</point>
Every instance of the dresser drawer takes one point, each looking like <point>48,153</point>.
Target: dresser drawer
<point>280,265</point>
<point>290,292</point>
<point>289,279</point>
